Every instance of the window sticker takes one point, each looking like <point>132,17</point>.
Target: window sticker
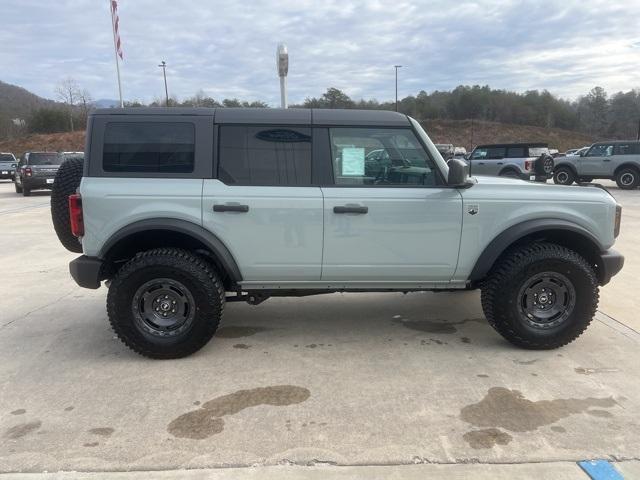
<point>353,161</point>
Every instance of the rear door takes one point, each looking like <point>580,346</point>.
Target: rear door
<point>625,153</point>
<point>388,219</point>
<point>262,205</point>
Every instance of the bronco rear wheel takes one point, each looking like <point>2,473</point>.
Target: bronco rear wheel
<point>165,303</point>
<point>540,296</point>
<point>66,183</point>
<point>563,176</point>
<point>627,178</point>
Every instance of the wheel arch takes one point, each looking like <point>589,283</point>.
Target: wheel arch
<point>510,168</point>
<point>170,232</point>
<point>627,165</point>
<point>562,232</point>
<point>569,166</point>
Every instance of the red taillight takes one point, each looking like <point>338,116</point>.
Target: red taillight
<point>75,215</point>
<point>528,164</point>
<point>27,172</point>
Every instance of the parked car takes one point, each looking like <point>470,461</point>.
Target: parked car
<point>447,150</point>
<point>36,171</point>
<point>8,165</point>
<point>527,161</point>
<point>182,210</point>
<point>617,160</point>
<point>460,153</point>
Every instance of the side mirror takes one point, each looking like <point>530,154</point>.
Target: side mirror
<point>458,173</point>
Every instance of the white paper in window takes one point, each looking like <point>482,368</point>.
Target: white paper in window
<point>353,161</point>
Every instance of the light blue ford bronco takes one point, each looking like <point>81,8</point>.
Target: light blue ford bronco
<point>181,210</point>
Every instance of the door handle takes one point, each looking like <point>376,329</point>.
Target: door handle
<point>480,163</point>
<point>231,208</point>
<point>350,209</point>
<point>500,163</point>
<point>607,160</point>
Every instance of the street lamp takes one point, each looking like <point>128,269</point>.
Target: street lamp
<point>282,61</point>
<point>163,66</point>
<point>397,67</point>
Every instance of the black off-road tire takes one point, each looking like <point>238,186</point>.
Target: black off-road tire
<point>544,165</point>
<point>190,271</point>
<point>501,292</point>
<point>66,183</point>
<point>628,178</point>
<point>564,176</point>
<point>26,192</point>
<point>18,188</point>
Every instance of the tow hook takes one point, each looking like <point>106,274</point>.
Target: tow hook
<point>253,299</point>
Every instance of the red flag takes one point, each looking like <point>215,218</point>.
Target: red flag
<point>116,32</point>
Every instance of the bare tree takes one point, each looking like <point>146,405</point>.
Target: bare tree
<point>68,92</point>
<point>86,102</point>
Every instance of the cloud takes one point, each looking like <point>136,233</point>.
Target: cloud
<point>228,48</point>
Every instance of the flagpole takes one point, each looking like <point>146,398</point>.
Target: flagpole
<point>115,51</point>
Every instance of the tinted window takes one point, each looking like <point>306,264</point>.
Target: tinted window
<point>273,155</point>
<point>149,147</point>
<point>379,156</point>
<point>7,158</point>
<point>488,152</point>
<point>45,159</point>
<point>537,151</point>
<point>627,149</point>
<point>515,152</point>
<point>600,151</point>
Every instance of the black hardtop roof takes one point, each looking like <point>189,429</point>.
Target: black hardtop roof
<point>507,145</point>
<point>615,142</point>
<point>290,116</point>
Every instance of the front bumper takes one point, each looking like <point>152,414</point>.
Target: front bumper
<point>9,173</point>
<point>611,262</point>
<point>87,271</point>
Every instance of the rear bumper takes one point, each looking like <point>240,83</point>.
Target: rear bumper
<point>533,177</point>
<point>610,264</point>
<point>87,271</point>
<point>34,183</point>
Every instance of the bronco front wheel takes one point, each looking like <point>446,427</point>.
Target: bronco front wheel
<point>165,303</point>
<point>540,296</point>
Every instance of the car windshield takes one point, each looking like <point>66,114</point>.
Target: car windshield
<point>537,151</point>
<point>7,158</point>
<point>45,159</point>
<point>69,156</point>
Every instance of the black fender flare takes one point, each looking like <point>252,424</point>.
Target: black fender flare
<point>626,165</point>
<point>510,168</point>
<point>185,227</point>
<point>516,232</point>
<point>570,166</point>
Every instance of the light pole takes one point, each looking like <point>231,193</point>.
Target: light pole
<point>397,67</point>
<point>282,61</point>
<point>163,66</point>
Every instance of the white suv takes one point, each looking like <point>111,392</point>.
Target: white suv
<point>182,210</point>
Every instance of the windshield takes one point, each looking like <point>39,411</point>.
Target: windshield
<point>433,152</point>
<point>7,158</point>
<point>537,151</point>
<point>75,155</point>
<point>45,159</point>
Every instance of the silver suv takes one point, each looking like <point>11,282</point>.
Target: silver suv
<point>182,210</point>
<point>527,161</point>
<point>618,160</point>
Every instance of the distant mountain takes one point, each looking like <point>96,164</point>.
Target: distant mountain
<point>106,103</point>
<point>16,102</point>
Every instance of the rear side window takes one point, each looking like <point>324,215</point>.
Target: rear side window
<point>149,147</point>
<point>265,155</point>
<point>627,149</point>
<point>515,152</point>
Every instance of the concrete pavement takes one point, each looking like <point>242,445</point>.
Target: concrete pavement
<point>351,380</point>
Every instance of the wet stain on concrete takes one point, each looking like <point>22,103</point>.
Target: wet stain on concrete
<point>465,339</point>
<point>242,346</point>
<point>92,444</point>
<point>102,431</point>
<point>482,375</point>
<point>526,362</point>
<point>205,422</point>
<point>312,345</point>
<point>69,408</point>
<point>509,409</point>
<point>591,371</point>
<point>486,438</point>
<point>22,429</point>
<point>429,326</point>
<point>600,413</point>
<point>558,429</point>
<point>238,332</point>
<point>20,411</point>
<point>197,402</point>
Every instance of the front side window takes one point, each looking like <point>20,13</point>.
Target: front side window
<point>485,153</point>
<point>379,156</point>
<point>267,155</point>
<point>151,147</point>
<point>600,151</point>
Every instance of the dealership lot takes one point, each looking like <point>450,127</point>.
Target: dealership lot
<point>347,379</point>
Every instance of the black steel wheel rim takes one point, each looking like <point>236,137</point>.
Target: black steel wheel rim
<point>163,307</point>
<point>546,300</point>
<point>562,176</point>
<point>627,179</point>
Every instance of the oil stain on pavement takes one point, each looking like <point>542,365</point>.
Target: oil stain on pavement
<point>429,326</point>
<point>22,429</point>
<point>509,409</point>
<point>487,438</point>
<point>102,431</point>
<point>206,421</point>
<point>238,332</point>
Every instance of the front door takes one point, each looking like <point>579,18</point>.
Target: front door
<point>487,160</point>
<point>262,206</point>
<point>597,162</point>
<point>387,218</point>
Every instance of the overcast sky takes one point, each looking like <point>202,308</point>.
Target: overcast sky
<point>227,48</point>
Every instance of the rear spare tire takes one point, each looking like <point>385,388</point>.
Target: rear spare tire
<point>66,183</point>
<point>544,165</point>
